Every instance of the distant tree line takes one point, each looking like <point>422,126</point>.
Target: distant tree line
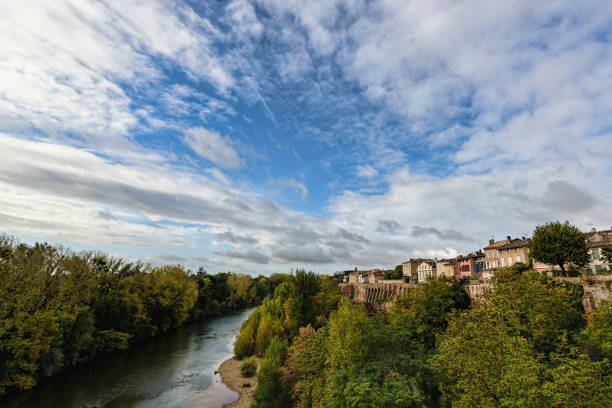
<point>59,308</point>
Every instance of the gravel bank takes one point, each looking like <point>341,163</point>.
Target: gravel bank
<point>230,375</point>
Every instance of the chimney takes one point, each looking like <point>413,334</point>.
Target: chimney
<point>523,238</point>
<point>509,238</point>
<point>593,229</point>
<point>491,242</point>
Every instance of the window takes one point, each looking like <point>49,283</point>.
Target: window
<point>518,258</point>
<point>503,261</point>
<point>509,260</point>
<point>595,253</point>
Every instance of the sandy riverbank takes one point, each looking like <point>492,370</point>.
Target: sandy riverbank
<point>230,375</point>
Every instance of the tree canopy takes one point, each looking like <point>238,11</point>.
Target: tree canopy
<point>557,243</point>
<point>59,308</point>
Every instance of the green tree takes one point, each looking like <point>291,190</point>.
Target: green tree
<point>245,343</point>
<point>270,392</point>
<point>303,287</point>
<point>429,305</point>
<point>358,361</point>
<point>547,312</point>
<point>481,363</point>
<point>555,243</point>
<point>59,308</point>
<point>397,273</point>
<point>574,381</point>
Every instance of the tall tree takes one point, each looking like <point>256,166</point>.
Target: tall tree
<point>557,243</point>
<point>303,286</point>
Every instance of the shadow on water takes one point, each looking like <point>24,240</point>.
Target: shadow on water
<point>175,369</point>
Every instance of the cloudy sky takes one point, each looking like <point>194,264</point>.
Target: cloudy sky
<point>262,135</point>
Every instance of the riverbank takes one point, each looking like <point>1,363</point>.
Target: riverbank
<point>230,375</point>
<point>172,370</point>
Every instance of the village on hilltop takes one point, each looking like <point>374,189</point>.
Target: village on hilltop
<point>474,270</point>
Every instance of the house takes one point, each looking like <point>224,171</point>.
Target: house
<point>470,265</point>
<point>362,276</point>
<point>426,269</point>
<point>463,267</point>
<point>409,269</point>
<point>597,241</point>
<point>492,257</point>
<point>516,250</point>
<point>346,276</point>
<point>449,268</point>
<point>375,275</point>
<point>445,267</point>
<point>351,276</point>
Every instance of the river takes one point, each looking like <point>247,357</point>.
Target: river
<point>176,369</point>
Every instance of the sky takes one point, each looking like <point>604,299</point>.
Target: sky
<point>259,136</point>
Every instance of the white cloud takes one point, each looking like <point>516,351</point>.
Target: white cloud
<point>367,171</point>
<point>213,147</point>
<point>66,65</point>
<point>244,20</point>
<point>508,104</point>
<point>293,184</point>
<point>219,175</point>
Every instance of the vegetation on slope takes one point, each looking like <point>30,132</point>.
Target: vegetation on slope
<point>526,344</point>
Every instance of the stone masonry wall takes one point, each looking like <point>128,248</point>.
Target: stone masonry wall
<point>376,296</point>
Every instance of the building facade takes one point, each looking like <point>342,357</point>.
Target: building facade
<point>597,242</point>
<point>445,267</point>
<point>410,269</point>
<point>479,263</point>
<point>464,267</point>
<point>425,270</point>
<point>516,250</point>
<point>492,259</point>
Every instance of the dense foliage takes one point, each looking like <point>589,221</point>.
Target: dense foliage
<point>378,361</point>
<point>557,243</point>
<point>525,346</point>
<point>527,343</point>
<point>396,273</point>
<point>303,298</point>
<point>59,309</point>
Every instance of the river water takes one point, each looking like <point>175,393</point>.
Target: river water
<point>175,370</point>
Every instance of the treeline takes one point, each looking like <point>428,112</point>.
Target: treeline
<point>527,344</point>
<point>59,308</point>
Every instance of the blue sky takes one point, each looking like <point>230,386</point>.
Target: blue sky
<point>262,135</point>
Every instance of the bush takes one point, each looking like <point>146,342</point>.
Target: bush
<point>248,367</point>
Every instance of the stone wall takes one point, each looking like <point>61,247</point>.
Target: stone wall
<point>477,290</point>
<point>376,296</point>
<point>374,292</point>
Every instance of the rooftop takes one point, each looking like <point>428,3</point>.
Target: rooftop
<point>517,243</point>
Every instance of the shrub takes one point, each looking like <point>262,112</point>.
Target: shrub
<point>248,367</point>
